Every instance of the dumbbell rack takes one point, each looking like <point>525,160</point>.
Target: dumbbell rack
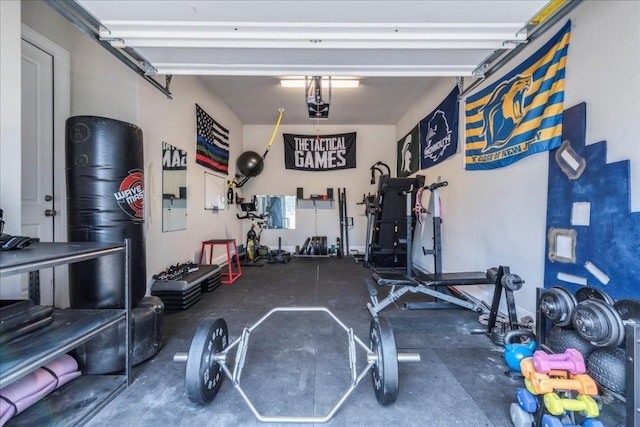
<point>632,340</point>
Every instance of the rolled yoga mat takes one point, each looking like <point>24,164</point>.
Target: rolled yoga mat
<point>20,395</point>
<point>105,203</point>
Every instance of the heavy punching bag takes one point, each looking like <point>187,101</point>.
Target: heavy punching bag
<point>105,203</point>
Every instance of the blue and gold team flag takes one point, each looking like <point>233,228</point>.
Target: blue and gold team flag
<point>522,113</point>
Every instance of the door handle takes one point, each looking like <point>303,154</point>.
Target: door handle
<point>50,212</point>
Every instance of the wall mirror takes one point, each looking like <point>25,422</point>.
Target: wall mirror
<point>279,211</point>
<point>174,188</point>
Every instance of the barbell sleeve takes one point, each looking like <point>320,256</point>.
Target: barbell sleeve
<point>408,357</point>
<point>181,357</point>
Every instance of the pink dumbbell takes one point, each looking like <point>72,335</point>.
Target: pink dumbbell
<point>571,360</point>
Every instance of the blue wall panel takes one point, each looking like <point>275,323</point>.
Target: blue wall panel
<point>611,241</point>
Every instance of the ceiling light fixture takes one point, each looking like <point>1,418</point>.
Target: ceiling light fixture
<point>339,83</point>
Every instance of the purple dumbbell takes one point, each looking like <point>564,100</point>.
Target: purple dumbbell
<point>571,360</point>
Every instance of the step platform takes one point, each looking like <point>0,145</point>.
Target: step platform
<point>182,293</point>
<point>213,280</point>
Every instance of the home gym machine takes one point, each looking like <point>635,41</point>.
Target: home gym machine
<point>206,362</point>
<point>441,286</point>
<point>392,223</point>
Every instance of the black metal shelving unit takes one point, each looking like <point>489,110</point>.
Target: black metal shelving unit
<point>70,328</point>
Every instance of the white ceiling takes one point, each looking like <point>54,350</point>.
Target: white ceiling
<point>241,48</point>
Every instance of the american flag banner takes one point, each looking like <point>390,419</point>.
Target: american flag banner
<point>520,114</point>
<point>212,143</point>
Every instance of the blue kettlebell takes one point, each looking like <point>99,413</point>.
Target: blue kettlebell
<point>515,350</point>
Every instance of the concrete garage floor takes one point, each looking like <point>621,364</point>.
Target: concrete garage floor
<point>297,363</point>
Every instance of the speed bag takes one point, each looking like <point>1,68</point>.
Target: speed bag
<point>105,203</point>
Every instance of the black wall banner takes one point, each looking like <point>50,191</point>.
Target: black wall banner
<point>173,158</point>
<point>320,153</point>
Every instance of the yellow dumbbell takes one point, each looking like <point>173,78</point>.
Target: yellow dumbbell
<point>583,403</point>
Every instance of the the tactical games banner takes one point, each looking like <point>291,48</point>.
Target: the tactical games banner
<point>439,132</point>
<point>320,153</point>
<point>408,153</point>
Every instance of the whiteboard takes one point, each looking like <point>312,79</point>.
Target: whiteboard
<point>214,192</point>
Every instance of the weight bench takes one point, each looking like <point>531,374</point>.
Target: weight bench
<point>428,284</point>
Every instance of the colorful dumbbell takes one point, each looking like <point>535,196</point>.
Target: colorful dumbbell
<point>520,417</point>
<point>583,403</point>
<point>551,421</point>
<point>527,369</point>
<point>571,360</point>
<point>541,384</point>
<point>527,401</point>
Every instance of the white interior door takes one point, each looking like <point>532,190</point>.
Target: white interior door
<point>38,210</point>
<point>45,107</point>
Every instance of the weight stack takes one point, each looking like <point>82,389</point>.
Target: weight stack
<point>315,245</point>
<point>105,203</point>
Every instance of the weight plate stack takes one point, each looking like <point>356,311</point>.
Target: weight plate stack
<point>629,310</point>
<point>497,334</point>
<point>598,323</point>
<point>589,292</point>
<point>303,250</point>
<point>557,305</point>
<point>607,367</point>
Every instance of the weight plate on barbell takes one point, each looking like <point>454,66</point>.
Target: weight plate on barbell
<point>203,374</point>
<point>629,310</point>
<point>589,292</point>
<point>385,372</point>
<point>557,304</point>
<point>599,323</point>
<point>512,281</point>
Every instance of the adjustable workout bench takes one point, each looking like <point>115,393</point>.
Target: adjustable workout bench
<point>428,284</point>
<point>449,297</point>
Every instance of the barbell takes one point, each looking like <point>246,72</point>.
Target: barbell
<point>510,281</point>
<point>206,362</point>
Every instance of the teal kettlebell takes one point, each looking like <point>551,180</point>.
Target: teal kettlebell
<point>515,350</point>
